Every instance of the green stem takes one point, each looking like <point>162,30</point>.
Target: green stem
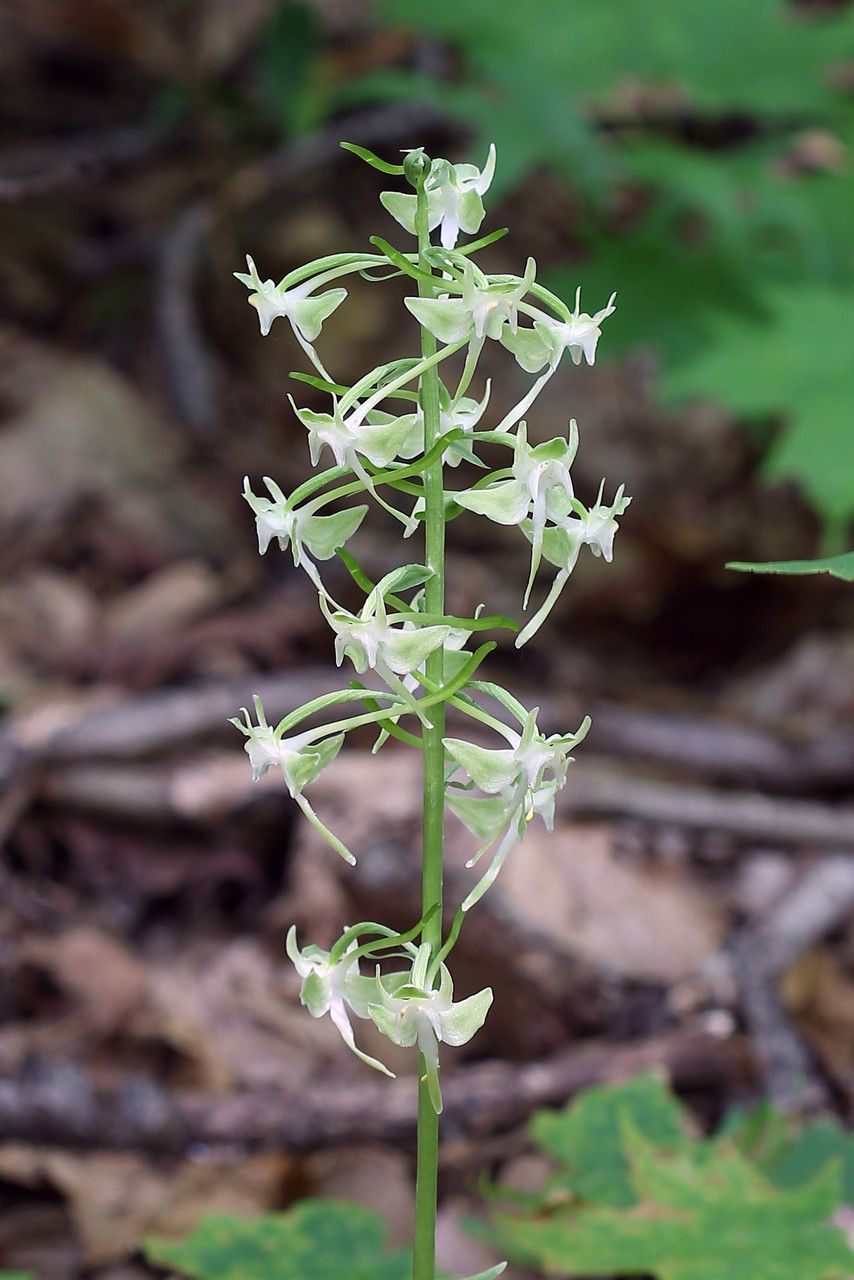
<point>424,1255</point>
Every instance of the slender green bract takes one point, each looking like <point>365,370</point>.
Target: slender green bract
<point>404,427</point>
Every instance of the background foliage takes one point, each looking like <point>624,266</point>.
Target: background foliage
<point>635,1192</point>
<point>705,147</point>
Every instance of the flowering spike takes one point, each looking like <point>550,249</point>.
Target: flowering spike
<point>401,427</point>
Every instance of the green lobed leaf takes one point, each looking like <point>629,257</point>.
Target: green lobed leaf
<point>717,1219</point>
<point>316,1240</point>
<point>841,566</point>
<point>797,364</point>
<point>586,1138</point>
<point>812,1150</point>
<point>645,1197</point>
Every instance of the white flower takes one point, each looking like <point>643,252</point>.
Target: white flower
<point>463,414</point>
<point>545,343</point>
<point>300,758</point>
<point>453,199</point>
<point>415,1013</point>
<point>594,527</point>
<point>484,309</point>
<point>520,782</point>
<point>352,436</point>
<point>298,528</point>
<point>370,640</point>
<point>537,472</point>
<point>306,314</point>
<point>334,987</point>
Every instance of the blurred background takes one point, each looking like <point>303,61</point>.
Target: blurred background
<point>694,909</point>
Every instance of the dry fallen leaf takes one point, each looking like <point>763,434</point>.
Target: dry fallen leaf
<point>103,980</point>
<point>638,921</point>
<point>232,1015</point>
<point>116,1199</point>
<point>820,993</point>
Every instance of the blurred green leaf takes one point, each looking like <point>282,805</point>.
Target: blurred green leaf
<point>694,1221</point>
<point>839,566</point>
<point>811,1151</point>
<point>709,142</point>
<point>636,1193</point>
<point>539,66</point>
<point>796,365</point>
<point>587,1136</point>
<point>316,1240</point>
<point>288,64</point>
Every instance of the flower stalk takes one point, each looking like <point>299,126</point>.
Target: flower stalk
<point>433,803</point>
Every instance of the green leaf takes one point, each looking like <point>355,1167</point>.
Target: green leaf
<point>587,1137</point>
<point>762,1134</point>
<point>533,70</point>
<point>741,262</point>
<point>717,1219</point>
<point>316,1240</point>
<point>290,89</point>
<point>811,1151</point>
<point>797,364</point>
<point>841,566</point>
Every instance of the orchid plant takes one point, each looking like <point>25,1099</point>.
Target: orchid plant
<point>392,436</point>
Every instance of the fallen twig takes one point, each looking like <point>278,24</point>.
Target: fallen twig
<point>43,167</point>
<point>789,1076</point>
<point>595,791</point>
<point>721,749</point>
<point>820,901</point>
<point>59,1106</point>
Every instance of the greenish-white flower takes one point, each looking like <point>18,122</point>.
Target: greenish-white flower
<point>537,471</point>
<point>414,1012</point>
<point>305,313</point>
<point>544,343</point>
<point>520,782</point>
<point>300,757</point>
<point>592,527</point>
<point>335,986</point>
<point>580,526</point>
<point>352,436</point>
<point>306,534</point>
<point>484,309</point>
<point>371,640</point>
<point>454,201</point>
<point>462,414</point>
